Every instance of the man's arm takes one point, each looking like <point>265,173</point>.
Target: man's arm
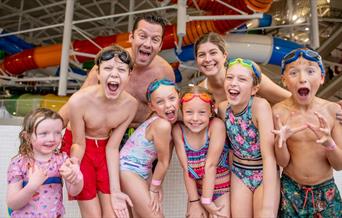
<point>271,91</point>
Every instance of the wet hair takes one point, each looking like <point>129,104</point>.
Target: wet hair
<point>109,52</point>
<point>30,124</point>
<point>197,90</point>
<point>154,85</point>
<point>211,37</point>
<point>150,18</point>
<point>256,79</point>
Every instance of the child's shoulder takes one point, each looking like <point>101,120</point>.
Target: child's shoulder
<point>261,102</point>
<point>161,124</point>
<point>129,99</point>
<point>331,107</point>
<point>281,106</point>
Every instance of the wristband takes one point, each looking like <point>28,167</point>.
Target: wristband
<point>331,146</point>
<point>156,182</point>
<point>192,201</point>
<point>205,200</point>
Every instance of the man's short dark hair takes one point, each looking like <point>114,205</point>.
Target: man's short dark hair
<point>153,19</point>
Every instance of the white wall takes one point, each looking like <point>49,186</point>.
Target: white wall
<point>174,191</point>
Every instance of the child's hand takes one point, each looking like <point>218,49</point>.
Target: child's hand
<point>214,210</point>
<point>323,132</point>
<point>119,206</point>
<point>196,210</point>
<point>156,198</point>
<point>36,176</point>
<point>283,132</point>
<point>70,171</point>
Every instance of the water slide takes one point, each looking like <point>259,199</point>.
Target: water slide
<point>262,49</point>
<point>46,56</point>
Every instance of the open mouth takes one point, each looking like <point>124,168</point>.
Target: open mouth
<point>303,92</point>
<point>171,114</point>
<point>113,86</point>
<point>144,53</point>
<point>209,66</point>
<point>233,92</point>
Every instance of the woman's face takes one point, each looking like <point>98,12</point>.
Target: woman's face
<point>210,59</point>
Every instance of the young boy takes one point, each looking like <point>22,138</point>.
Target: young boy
<point>309,140</point>
<point>99,116</point>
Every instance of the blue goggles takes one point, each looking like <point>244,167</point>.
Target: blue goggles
<point>155,85</point>
<point>308,54</point>
<point>246,63</point>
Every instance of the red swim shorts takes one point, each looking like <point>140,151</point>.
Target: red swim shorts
<point>93,166</point>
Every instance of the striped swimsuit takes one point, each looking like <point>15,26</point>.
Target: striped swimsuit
<point>196,163</point>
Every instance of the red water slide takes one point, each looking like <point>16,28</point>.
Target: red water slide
<point>47,56</point>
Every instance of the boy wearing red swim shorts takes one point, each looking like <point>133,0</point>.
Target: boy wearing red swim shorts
<point>98,122</point>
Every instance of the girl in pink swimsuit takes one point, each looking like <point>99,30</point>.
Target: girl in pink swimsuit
<point>35,175</point>
<point>150,141</point>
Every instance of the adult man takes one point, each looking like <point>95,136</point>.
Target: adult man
<point>146,39</point>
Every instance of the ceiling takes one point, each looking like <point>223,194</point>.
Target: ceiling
<point>290,21</point>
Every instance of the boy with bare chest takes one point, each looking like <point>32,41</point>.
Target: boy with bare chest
<point>99,116</point>
<point>309,141</point>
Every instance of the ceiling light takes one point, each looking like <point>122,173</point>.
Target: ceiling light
<point>294,17</point>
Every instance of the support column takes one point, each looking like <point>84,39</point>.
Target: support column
<point>63,74</point>
<point>314,25</point>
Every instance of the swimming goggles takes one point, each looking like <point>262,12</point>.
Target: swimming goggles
<point>120,53</point>
<point>246,63</point>
<point>203,96</point>
<point>305,53</point>
<point>156,84</point>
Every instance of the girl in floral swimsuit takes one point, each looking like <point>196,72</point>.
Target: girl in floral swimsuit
<point>254,181</point>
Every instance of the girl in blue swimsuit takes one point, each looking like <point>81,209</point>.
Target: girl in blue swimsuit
<point>254,179</point>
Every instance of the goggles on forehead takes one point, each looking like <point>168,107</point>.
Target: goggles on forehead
<point>155,85</point>
<point>203,96</point>
<point>305,53</point>
<point>121,54</point>
<point>246,63</point>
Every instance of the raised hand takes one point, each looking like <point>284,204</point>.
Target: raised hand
<point>36,177</point>
<point>156,198</point>
<point>283,132</point>
<point>322,132</point>
<point>119,206</point>
<point>214,210</point>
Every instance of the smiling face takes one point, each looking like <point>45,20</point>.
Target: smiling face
<point>303,78</point>
<point>46,137</point>
<point>146,42</point>
<point>165,102</point>
<point>239,86</point>
<point>210,59</point>
<point>196,114</point>
<point>113,76</point>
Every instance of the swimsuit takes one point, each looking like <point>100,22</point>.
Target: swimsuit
<point>138,154</point>
<point>93,166</point>
<point>196,163</point>
<point>47,201</point>
<point>245,142</point>
<point>322,200</point>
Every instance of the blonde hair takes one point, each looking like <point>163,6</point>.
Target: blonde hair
<point>30,124</point>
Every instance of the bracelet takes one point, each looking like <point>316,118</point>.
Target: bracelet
<point>331,146</point>
<point>154,191</point>
<point>192,201</point>
<point>156,182</point>
<point>205,200</point>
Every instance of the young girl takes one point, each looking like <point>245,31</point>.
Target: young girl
<point>34,175</point>
<point>254,181</point>
<point>211,54</point>
<point>150,141</point>
<point>203,154</point>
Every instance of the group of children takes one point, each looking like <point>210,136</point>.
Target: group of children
<point>229,154</point>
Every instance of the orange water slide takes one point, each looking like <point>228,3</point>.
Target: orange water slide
<point>50,55</point>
